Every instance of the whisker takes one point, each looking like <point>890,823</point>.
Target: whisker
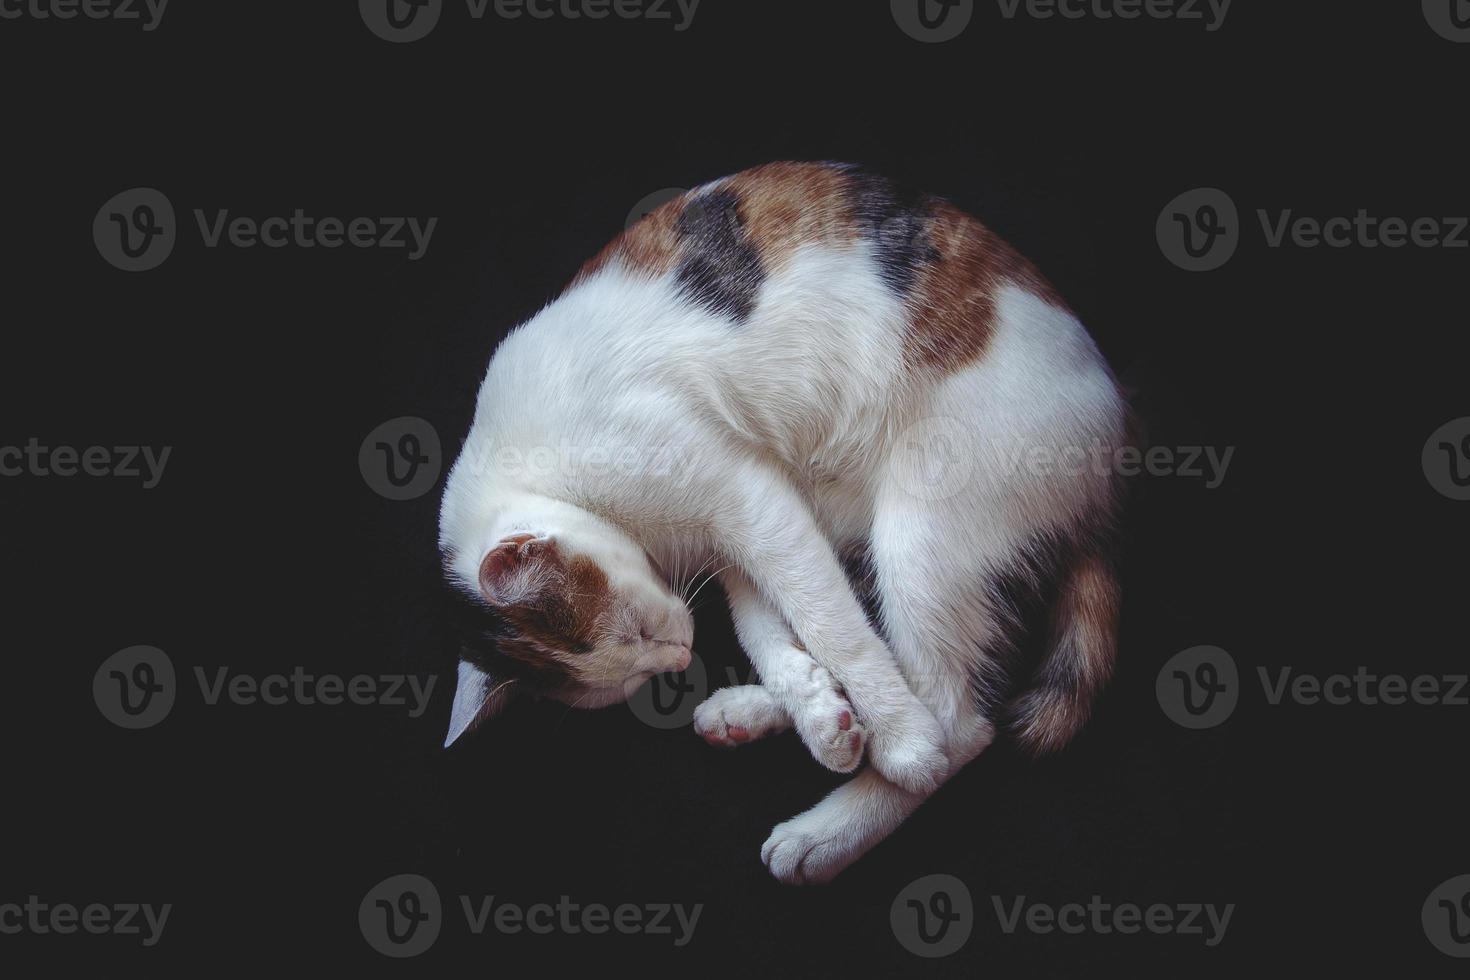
<point>569,711</point>
<point>708,580</point>
<point>676,579</point>
<point>688,598</point>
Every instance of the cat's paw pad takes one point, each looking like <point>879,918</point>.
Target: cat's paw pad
<point>809,849</point>
<point>828,725</point>
<point>733,715</point>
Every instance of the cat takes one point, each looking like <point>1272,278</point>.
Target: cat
<point>778,371</point>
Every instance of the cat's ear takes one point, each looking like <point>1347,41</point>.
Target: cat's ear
<point>518,568</point>
<point>478,697</point>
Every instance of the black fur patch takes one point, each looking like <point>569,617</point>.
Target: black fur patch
<point>896,221</point>
<point>857,563</point>
<point>718,266</point>
<point>482,635</point>
<point>1021,598</point>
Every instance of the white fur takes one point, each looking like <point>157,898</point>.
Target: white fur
<point>789,439</point>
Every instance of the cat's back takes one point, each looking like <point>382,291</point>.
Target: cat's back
<point>816,308</point>
<point>830,243</point>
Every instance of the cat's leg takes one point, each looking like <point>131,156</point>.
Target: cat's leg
<point>768,529</point>
<point>932,570</point>
<point>794,688</point>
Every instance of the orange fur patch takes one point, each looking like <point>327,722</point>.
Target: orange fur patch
<point>561,619</point>
<point>786,205</point>
<point>953,301</point>
<point>650,247</point>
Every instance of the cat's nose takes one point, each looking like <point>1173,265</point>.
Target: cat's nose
<point>681,662</point>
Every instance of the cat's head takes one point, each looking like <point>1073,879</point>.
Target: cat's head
<point>581,614</point>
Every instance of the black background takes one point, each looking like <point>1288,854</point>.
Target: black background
<point>263,549</point>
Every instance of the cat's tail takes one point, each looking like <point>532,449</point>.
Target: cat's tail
<point>1084,644</point>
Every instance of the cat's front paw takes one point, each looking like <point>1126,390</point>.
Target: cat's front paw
<point>907,749</point>
<point>810,848</point>
<point>733,715</point>
<point>826,722</point>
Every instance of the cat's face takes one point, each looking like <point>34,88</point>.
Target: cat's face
<point>586,611</point>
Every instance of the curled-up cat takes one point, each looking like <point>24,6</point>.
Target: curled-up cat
<point>772,373</point>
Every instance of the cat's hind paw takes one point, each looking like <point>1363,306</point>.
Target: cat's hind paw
<point>810,849</point>
<point>733,715</point>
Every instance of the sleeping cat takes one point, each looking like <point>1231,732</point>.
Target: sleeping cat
<point>775,373</point>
